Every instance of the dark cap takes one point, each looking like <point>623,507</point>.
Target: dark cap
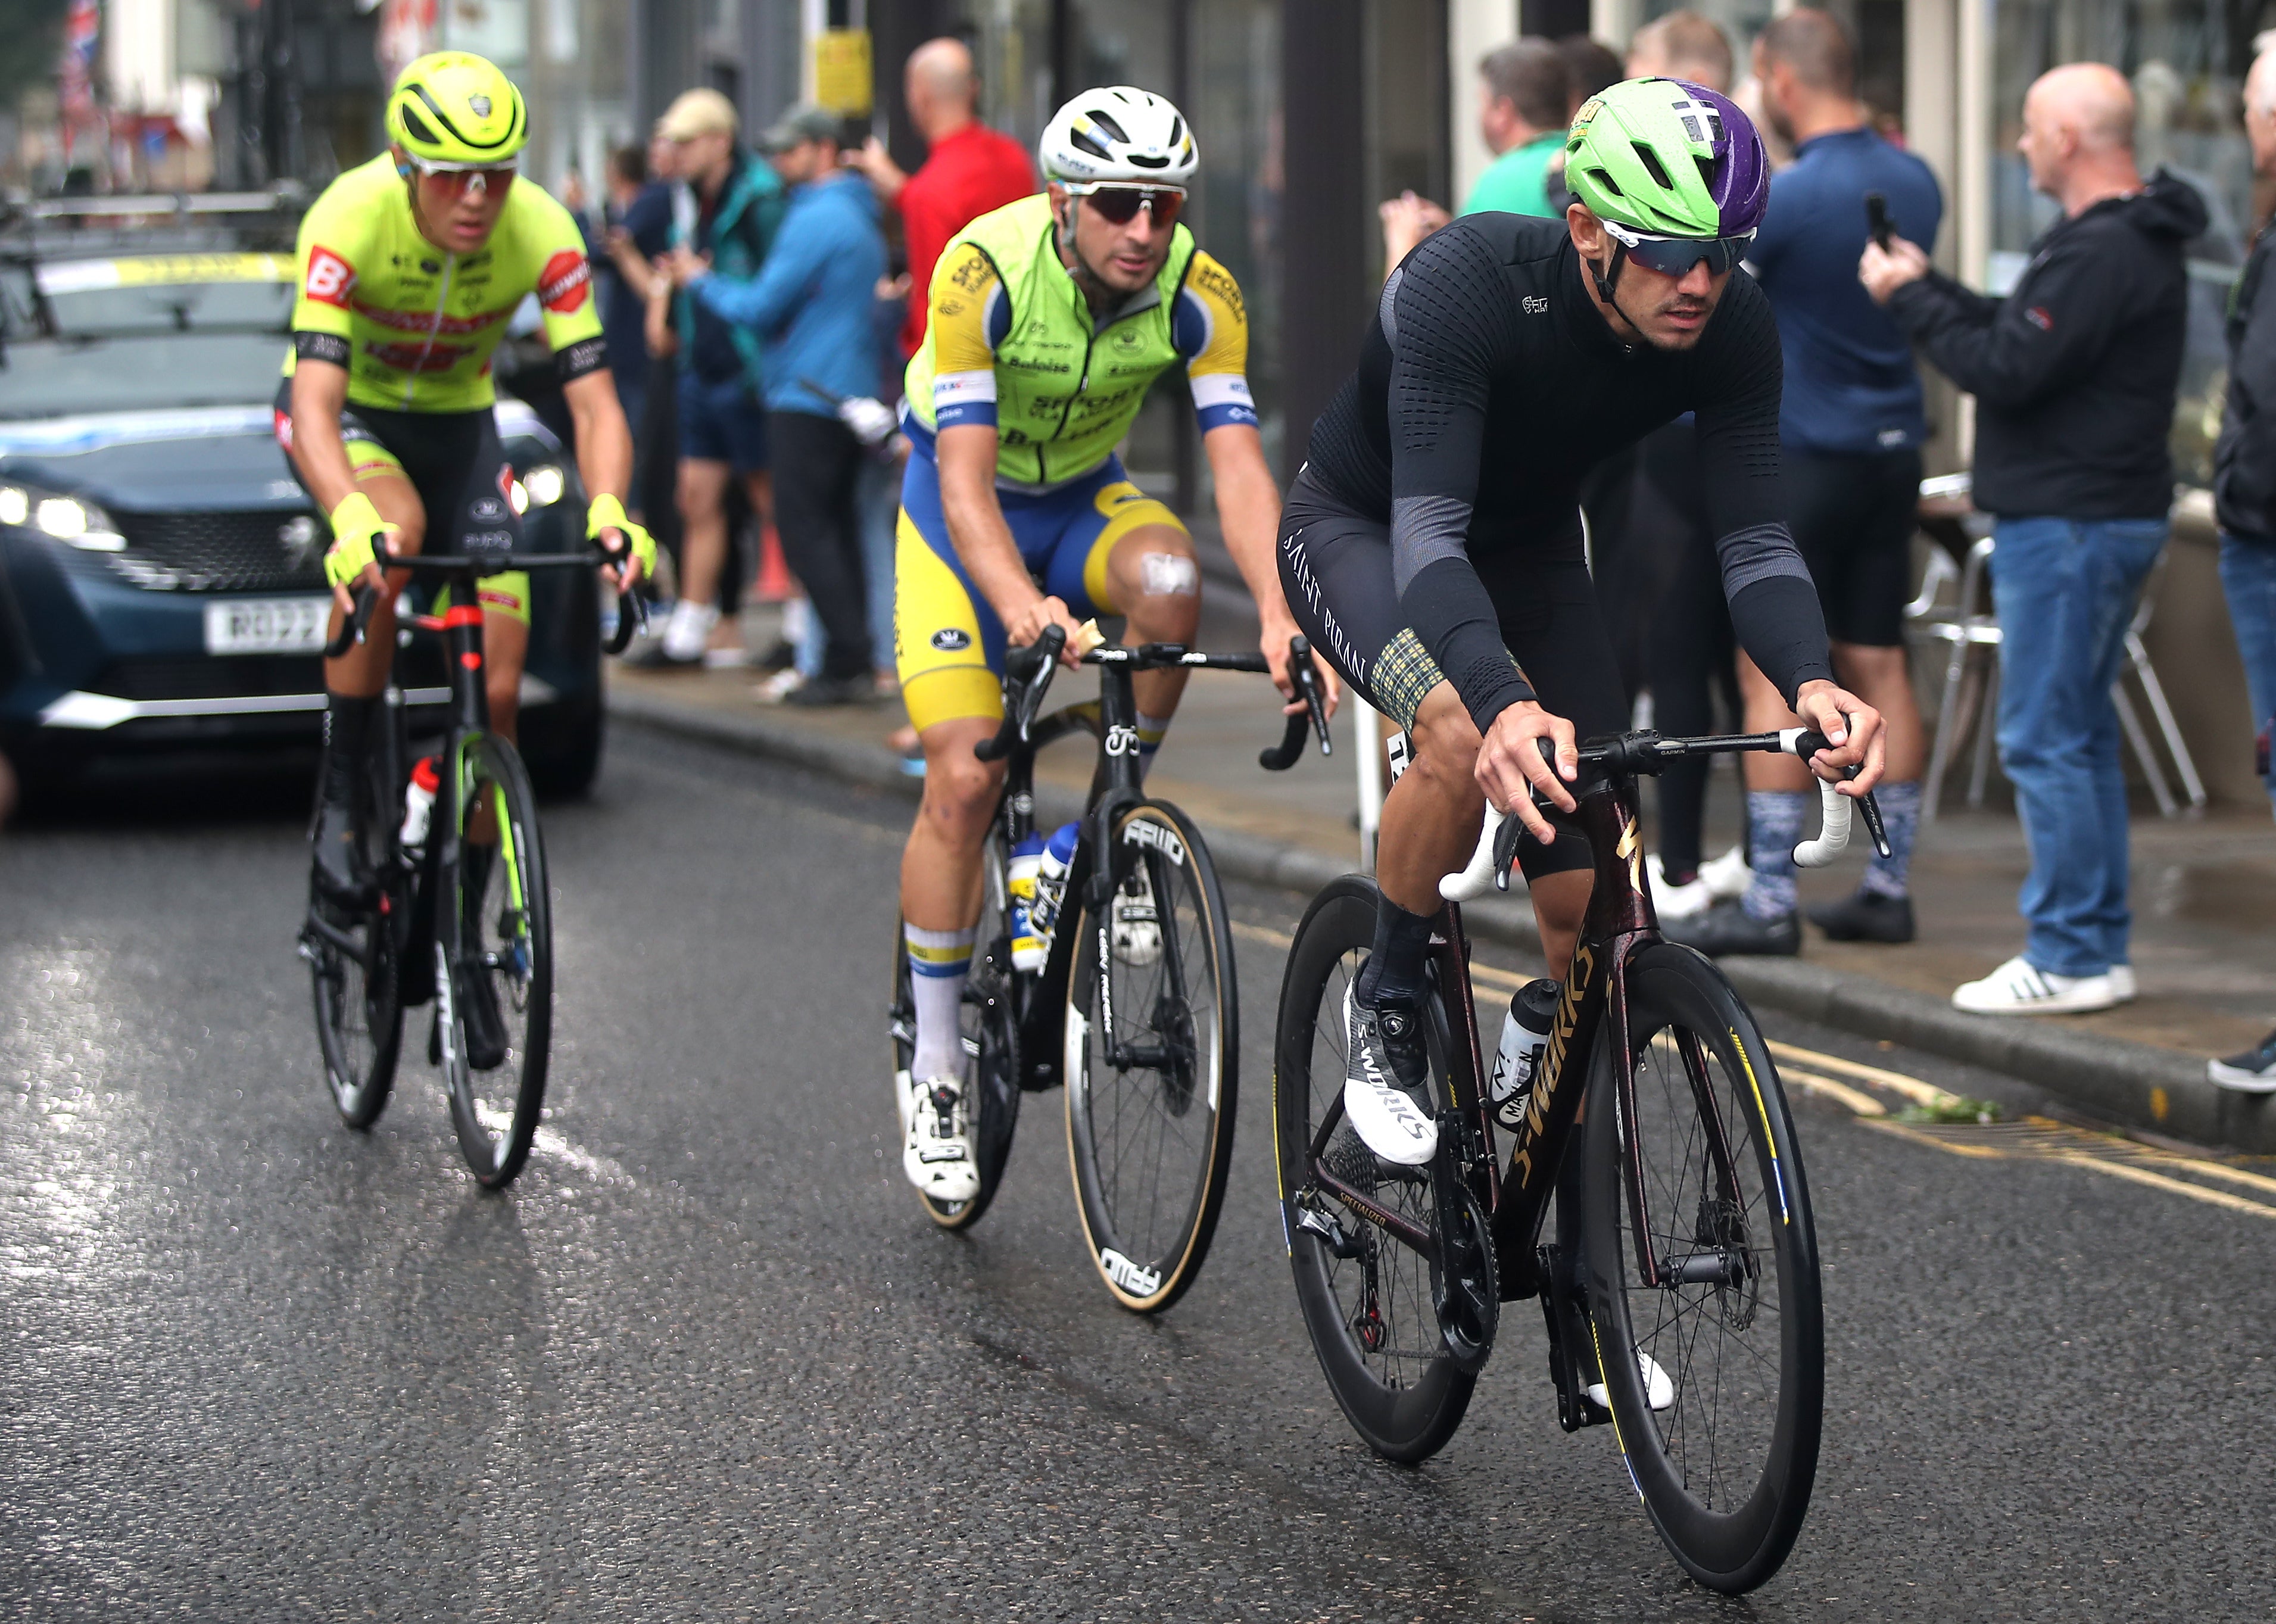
<point>804,123</point>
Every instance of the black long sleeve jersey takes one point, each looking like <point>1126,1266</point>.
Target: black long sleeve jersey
<point>1489,385</point>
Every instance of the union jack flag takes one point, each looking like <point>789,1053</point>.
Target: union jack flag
<point>1700,120</point>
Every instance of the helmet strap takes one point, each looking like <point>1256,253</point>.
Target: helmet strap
<point>1608,282</point>
<point>1087,281</point>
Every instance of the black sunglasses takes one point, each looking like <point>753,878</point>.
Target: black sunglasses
<point>1119,205</point>
<point>1674,256</point>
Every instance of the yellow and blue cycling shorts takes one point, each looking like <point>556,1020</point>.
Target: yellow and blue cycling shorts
<point>948,645</point>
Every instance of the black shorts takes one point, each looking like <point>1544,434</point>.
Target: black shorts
<point>1852,516</point>
<point>1335,568</point>
<point>453,460</point>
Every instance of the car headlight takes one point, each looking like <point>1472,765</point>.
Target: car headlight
<point>67,518</point>
<point>541,487</point>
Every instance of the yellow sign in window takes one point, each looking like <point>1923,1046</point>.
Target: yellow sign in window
<point>842,76</point>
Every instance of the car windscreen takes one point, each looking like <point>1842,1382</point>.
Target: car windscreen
<point>120,335</point>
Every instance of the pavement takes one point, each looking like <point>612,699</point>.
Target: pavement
<point>708,1361</point>
<point>2204,891</point>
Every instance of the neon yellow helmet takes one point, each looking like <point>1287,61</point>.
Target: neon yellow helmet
<point>455,110</point>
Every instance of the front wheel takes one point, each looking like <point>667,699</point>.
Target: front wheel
<point>355,964</point>
<point>1152,1039</point>
<point>493,974</point>
<point>1716,1369</point>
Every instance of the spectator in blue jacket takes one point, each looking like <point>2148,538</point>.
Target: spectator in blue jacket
<point>812,305</point>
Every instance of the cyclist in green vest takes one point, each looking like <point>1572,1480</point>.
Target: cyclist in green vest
<point>1049,320</point>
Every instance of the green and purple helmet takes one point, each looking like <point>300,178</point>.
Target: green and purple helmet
<point>1668,158</point>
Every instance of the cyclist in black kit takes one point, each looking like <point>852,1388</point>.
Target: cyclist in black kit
<point>1431,544</point>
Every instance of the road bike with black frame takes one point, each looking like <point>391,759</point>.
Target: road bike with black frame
<point>464,915</point>
<point>1681,1285</point>
<point>1135,1010</point>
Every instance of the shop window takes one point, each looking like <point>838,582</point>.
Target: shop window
<point>2186,62</point>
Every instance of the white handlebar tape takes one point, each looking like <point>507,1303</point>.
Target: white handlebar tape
<point>1832,833</point>
<point>1477,879</point>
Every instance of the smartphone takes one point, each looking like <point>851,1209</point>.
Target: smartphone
<point>1878,221</point>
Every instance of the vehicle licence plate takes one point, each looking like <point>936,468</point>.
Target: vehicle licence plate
<point>266,625</point>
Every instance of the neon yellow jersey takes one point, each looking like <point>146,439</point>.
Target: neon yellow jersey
<point>415,326</point>
<point>1012,343</point>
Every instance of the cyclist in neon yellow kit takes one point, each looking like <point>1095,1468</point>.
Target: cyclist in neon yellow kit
<point>411,266</point>
<point>1049,319</point>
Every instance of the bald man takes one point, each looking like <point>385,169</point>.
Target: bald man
<point>969,169</point>
<point>2074,375</point>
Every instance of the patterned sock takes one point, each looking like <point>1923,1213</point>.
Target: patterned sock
<point>1773,824</point>
<point>1900,805</point>
<point>1394,967</point>
<point>938,962</point>
<point>1150,730</point>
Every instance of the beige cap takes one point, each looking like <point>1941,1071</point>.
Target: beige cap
<point>697,112</point>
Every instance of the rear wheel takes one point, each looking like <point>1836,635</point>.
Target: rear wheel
<point>1152,1043</point>
<point>1367,1293</point>
<point>991,1029</point>
<point>352,967</point>
<point>1717,1373</point>
<point>494,974</point>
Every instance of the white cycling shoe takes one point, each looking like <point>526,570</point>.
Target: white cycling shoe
<point>1727,876</point>
<point>1390,1118</point>
<point>1137,923</point>
<point>1693,897</point>
<point>936,1138</point>
<point>1658,1392</point>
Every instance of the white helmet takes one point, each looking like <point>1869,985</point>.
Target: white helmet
<point>1118,134</point>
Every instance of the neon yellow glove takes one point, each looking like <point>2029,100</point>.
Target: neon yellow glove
<point>356,524</point>
<point>606,512</point>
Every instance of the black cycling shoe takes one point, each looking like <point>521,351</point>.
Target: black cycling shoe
<point>479,1018</point>
<point>1866,916</point>
<point>340,871</point>
<point>1728,928</point>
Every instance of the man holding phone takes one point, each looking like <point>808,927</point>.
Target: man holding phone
<point>1851,426</point>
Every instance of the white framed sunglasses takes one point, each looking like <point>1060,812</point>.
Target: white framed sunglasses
<point>1119,201</point>
<point>1674,256</point>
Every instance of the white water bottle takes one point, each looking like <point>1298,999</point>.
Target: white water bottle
<point>1524,1036</point>
<point>419,803</point>
<point>1050,878</point>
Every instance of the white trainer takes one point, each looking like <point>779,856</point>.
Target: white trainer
<point>687,634</point>
<point>1728,875</point>
<point>1388,1118</point>
<point>1672,902</point>
<point>1658,1392</point>
<point>1137,923</point>
<point>2020,988</point>
<point>935,1141</point>
<point>2123,987</point>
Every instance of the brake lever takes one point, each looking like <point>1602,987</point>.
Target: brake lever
<point>352,631</point>
<point>1281,756</point>
<point>628,625</point>
<point>1020,716</point>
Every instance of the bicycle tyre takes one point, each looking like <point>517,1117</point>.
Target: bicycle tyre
<point>991,1038</point>
<point>359,998</point>
<point>496,1109</point>
<point>1150,1145</point>
<point>1406,1402</point>
<point>1724,1468</point>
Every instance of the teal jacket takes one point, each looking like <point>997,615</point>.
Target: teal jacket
<point>743,234</point>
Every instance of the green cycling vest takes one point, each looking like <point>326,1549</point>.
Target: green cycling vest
<point>1068,387</point>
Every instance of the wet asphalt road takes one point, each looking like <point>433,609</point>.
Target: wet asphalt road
<point>709,1360</point>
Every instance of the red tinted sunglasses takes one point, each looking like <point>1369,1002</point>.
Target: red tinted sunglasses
<point>1119,205</point>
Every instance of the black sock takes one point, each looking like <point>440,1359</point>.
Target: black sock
<point>1393,972</point>
<point>347,739</point>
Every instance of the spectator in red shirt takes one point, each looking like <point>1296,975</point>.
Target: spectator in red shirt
<point>970,170</point>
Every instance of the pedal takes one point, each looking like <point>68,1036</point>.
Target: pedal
<point>1314,1220</point>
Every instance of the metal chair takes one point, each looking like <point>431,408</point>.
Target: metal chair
<point>1971,698</point>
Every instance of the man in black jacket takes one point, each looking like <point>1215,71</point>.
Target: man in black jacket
<point>2074,375</point>
<point>2244,492</point>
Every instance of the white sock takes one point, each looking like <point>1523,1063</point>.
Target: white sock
<point>938,962</point>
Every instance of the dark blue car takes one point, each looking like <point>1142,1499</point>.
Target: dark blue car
<point>161,571</point>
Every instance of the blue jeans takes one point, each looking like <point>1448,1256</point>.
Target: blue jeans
<point>2248,577</point>
<point>880,498</point>
<point>2065,591</point>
